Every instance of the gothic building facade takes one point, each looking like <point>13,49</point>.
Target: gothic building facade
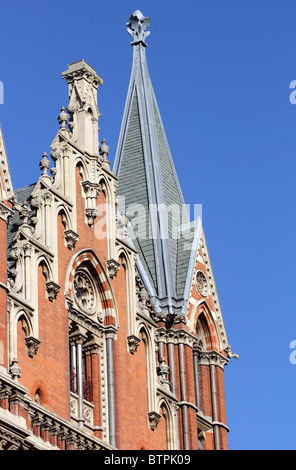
<point>111,332</point>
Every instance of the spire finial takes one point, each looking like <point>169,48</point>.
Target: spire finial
<point>137,25</point>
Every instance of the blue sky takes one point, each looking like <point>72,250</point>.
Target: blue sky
<point>221,73</point>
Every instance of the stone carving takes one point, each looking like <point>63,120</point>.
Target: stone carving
<point>44,163</point>
<point>122,230</point>
<point>103,153</point>
<point>212,358</point>
<point>15,370</point>
<point>231,354</point>
<point>71,238</point>
<point>52,289</point>
<point>87,414</point>
<point>133,343</point>
<point>73,406</point>
<point>90,215</point>
<point>162,370</point>
<point>5,213</point>
<point>32,345</point>
<point>113,267</point>
<point>63,117</point>
<point>85,294</point>
<point>144,301</point>
<point>153,419</point>
<point>201,283</point>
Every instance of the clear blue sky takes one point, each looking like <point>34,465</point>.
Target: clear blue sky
<point>221,73</point>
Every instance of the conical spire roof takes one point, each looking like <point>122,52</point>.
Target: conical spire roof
<point>148,188</point>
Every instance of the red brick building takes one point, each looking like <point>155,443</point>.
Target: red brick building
<point>111,333</point>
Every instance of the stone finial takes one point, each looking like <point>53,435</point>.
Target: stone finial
<point>63,117</point>
<point>44,163</point>
<point>104,149</point>
<point>137,25</point>
<point>15,370</point>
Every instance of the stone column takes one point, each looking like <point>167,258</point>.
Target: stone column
<point>214,359</point>
<point>96,389</point>
<point>183,396</point>
<point>111,395</point>
<point>79,341</point>
<point>47,198</point>
<point>196,378</point>
<point>66,179</point>
<point>172,377</point>
<point>214,406</point>
<point>73,366</point>
<point>27,249</point>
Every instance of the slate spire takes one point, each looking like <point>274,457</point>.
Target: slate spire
<point>148,188</point>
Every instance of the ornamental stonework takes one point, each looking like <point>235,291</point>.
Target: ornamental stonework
<point>85,292</point>
<point>201,283</point>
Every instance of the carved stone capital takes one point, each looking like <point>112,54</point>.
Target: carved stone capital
<point>90,189</point>
<point>212,358</point>
<point>27,249</point>
<point>92,346</point>
<point>47,198</point>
